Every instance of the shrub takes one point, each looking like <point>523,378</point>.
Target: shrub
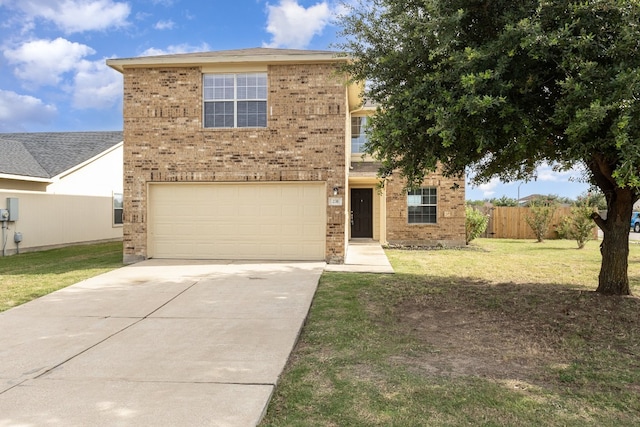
<point>539,218</point>
<point>475,223</point>
<point>579,225</point>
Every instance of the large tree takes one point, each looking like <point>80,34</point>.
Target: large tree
<point>498,87</point>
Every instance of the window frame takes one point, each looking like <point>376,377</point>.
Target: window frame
<point>114,209</point>
<point>362,138</point>
<point>432,192</point>
<point>248,102</point>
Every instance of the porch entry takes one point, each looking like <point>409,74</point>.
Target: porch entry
<point>362,212</point>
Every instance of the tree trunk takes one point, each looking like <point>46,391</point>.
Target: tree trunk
<point>613,278</point>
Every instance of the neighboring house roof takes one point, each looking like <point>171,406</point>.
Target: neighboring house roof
<point>530,198</point>
<point>229,56</point>
<point>48,154</point>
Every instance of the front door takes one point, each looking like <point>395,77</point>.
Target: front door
<point>362,212</point>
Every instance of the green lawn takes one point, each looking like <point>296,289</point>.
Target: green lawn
<point>30,275</point>
<point>504,333</point>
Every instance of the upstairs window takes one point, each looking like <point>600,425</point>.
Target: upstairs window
<point>235,100</point>
<point>358,135</point>
<point>422,205</point>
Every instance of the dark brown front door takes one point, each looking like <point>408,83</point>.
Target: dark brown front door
<point>362,212</point>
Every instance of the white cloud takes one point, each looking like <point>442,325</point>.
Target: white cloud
<point>488,189</point>
<point>293,26</point>
<point>73,16</point>
<point>61,63</point>
<point>16,111</point>
<point>43,62</point>
<point>141,16</point>
<point>173,49</point>
<point>164,25</point>
<point>96,85</point>
<point>546,172</point>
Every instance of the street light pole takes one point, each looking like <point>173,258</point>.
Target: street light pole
<point>518,201</point>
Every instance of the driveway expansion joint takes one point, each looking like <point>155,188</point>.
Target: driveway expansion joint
<point>166,342</point>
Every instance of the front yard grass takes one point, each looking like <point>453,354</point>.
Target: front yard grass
<point>30,275</point>
<point>503,333</point>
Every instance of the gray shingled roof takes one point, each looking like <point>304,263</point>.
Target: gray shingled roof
<point>45,155</point>
<point>254,51</point>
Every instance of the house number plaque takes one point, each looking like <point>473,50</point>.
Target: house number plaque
<point>335,201</point>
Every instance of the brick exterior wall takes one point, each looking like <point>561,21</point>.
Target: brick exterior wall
<point>449,229</point>
<point>164,141</point>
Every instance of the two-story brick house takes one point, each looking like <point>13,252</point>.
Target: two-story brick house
<point>255,154</point>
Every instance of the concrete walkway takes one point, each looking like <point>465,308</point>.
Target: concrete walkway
<point>158,343</point>
<point>363,256</point>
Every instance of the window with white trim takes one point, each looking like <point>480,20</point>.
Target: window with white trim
<point>118,208</point>
<point>358,134</point>
<point>235,100</point>
<point>422,204</point>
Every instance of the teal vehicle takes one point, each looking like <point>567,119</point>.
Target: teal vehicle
<point>635,221</point>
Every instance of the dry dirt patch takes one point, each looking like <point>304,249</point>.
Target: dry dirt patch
<point>510,331</point>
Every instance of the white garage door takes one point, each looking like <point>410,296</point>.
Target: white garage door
<point>237,221</point>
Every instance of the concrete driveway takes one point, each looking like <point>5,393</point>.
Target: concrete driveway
<point>158,343</point>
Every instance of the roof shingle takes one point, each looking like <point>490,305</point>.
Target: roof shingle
<point>47,154</point>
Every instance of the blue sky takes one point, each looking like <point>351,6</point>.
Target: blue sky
<point>548,181</point>
<point>53,75</point>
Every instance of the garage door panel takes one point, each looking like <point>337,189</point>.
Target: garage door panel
<point>312,212</point>
<point>291,230</point>
<point>237,221</point>
<point>164,228</point>
<point>181,250</point>
<point>270,210</point>
<point>313,231</point>
<point>224,211</point>
<point>270,230</point>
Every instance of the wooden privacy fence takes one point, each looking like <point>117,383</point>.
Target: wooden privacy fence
<point>510,222</point>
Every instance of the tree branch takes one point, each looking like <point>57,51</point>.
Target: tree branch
<point>604,169</point>
<point>599,221</point>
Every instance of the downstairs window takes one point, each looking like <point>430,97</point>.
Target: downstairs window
<point>422,205</point>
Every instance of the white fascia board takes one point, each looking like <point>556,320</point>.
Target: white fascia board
<point>25,178</point>
<point>197,61</point>
<point>86,162</point>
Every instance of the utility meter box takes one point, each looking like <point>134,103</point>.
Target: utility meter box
<point>12,207</point>
<point>4,215</point>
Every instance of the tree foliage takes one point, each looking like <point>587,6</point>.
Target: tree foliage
<point>497,87</point>
<point>504,201</point>
<point>548,199</point>
<point>594,199</point>
<point>478,203</point>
